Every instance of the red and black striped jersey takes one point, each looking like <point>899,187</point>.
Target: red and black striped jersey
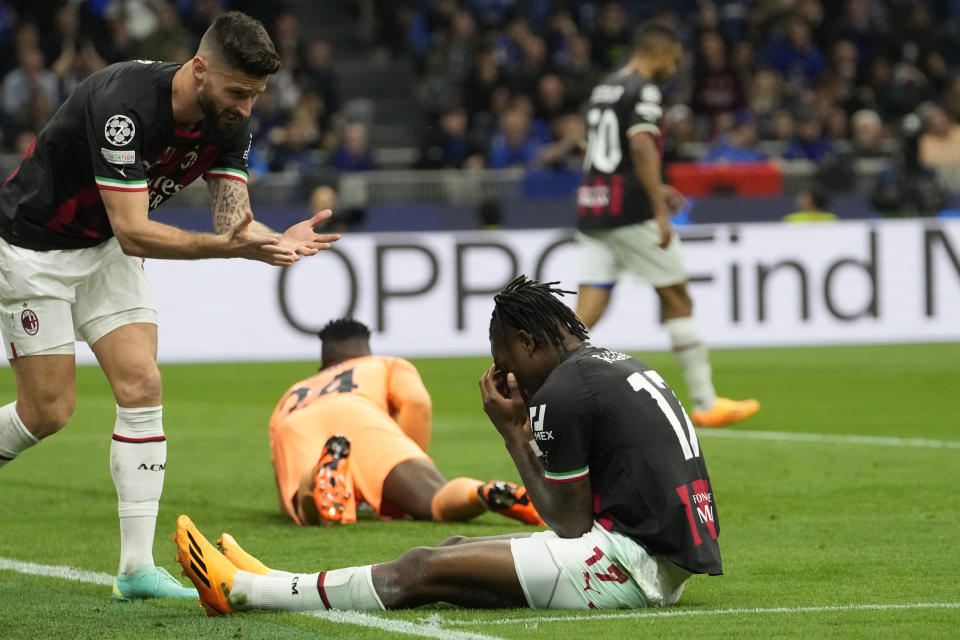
<point>115,132</point>
<point>611,194</point>
<point>607,417</point>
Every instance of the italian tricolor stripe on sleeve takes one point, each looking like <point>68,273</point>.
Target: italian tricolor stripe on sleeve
<point>567,476</point>
<point>121,185</point>
<point>222,172</point>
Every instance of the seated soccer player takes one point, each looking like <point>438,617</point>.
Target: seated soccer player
<point>358,431</point>
<point>607,454</point>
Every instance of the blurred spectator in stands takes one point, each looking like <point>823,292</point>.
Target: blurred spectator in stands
<point>196,15</point>
<point>716,86</point>
<point>611,39</point>
<point>26,36</point>
<point>812,206</point>
<point>783,126</point>
<point>510,45</point>
<point>170,39</point>
<point>483,80</point>
<point>28,79</point>
<point>835,125</point>
<point>951,98</point>
<point>845,72</point>
<point>808,142</point>
<point>939,144</point>
<point>579,74</point>
<point>449,146</point>
<point>566,152</point>
<point>739,144</point>
<point>551,101</point>
<point>117,44</point>
<point>323,197</point>
<point>533,64</point>
<point>679,131</point>
<point>316,75</point>
<point>353,153</point>
<point>907,88</point>
<point>514,145</point>
<point>449,61</point>
<point>286,33</point>
<point>561,29</point>
<point>73,54</point>
<point>906,187</point>
<point>283,81</point>
<point>795,54</point>
<point>34,114</point>
<point>864,23</point>
<point>292,144</point>
<point>765,98</point>
<point>867,134</point>
<point>539,128</point>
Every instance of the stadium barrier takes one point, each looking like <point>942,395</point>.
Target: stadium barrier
<point>430,294</point>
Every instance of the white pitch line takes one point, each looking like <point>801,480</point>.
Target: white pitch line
<point>675,613</point>
<point>425,630</point>
<point>57,571</point>
<point>827,437</point>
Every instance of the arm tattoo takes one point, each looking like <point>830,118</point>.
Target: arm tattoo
<point>229,201</point>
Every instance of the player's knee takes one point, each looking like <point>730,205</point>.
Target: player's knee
<point>46,415</point>
<point>140,388</point>
<point>413,569</point>
<point>453,541</point>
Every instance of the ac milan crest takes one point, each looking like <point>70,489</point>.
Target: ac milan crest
<point>30,322</point>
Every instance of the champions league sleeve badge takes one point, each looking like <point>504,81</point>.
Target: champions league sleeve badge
<point>119,130</point>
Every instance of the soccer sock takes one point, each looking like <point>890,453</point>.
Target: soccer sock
<point>15,438</point>
<point>350,589</point>
<point>138,457</point>
<point>457,500</point>
<point>694,359</point>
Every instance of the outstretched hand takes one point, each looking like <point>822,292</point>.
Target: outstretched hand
<point>251,243</point>
<point>303,240</point>
<point>508,412</point>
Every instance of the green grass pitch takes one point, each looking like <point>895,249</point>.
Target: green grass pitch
<point>813,529</point>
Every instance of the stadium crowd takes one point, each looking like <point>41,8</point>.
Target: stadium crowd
<point>502,80</point>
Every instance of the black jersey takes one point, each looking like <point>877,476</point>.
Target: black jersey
<point>611,195</point>
<point>607,416</point>
<point>115,132</point>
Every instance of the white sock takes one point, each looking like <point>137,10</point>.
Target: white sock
<point>694,359</point>
<point>138,457</point>
<point>350,589</point>
<point>15,438</point>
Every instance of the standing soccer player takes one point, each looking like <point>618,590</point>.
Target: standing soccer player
<point>609,459</point>
<point>74,226</point>
<point>624,212</point>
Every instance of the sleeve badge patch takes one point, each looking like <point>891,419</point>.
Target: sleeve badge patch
<point>119,130</point>
<point>114,156</point>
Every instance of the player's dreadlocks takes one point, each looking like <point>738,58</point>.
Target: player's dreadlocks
<point>343,329</point>
<point>535,307</point>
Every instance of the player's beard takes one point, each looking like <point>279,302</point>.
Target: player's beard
<point>225,121</point>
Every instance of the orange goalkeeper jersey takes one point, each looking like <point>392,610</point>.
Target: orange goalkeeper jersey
<point>378,402</point>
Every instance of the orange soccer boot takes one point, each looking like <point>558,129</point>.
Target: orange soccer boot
<point>207,568</point>
<point>240,558</point>
<point>510,500</point>
<point>725,411</point>
<point>333,485</point>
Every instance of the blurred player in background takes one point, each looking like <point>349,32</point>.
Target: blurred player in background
<point>608,457</point>
<point>359,431</point>
<point>624,212</point>
<point>74,226</point>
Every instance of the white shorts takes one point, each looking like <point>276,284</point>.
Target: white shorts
<point>49,299</point>
<point>633,249</point>
<point>598,570</point>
